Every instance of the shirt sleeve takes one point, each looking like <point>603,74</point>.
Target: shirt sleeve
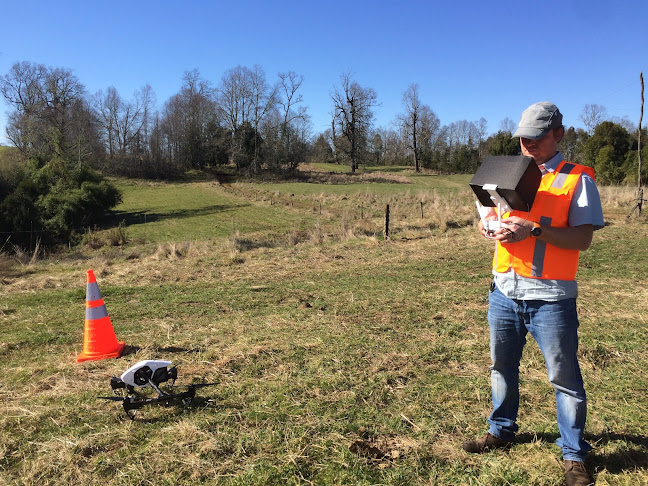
<point>585,205</point>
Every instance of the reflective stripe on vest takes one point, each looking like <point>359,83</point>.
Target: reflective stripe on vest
<point>539,251</point>
<point>538,259</point>
<point>561,176</point>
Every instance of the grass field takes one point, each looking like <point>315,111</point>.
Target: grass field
<point>339,357</point>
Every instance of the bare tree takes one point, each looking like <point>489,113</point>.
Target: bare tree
<point>171,128</point>
<point>394,147</point>
<point>290,83</point>
<point>44,101</point>
<point>146,97</point>
<point>22,88</point>
<point>352,114</point>
<point>293,117</point>
<point>465,133</point>
<point>186,119</point>
<point>482,130</point>
<point>507,125</point>
<point>235,97</point>
<point>128,123</point>
<point>246,100</point>
<point>419,125</point>
<point>124,123</point>
<point>198,110</point>
<point>107,108</point>
<point>592,116</point>
<point>410,122</point>
<point>625,122</point>
<point>86,133</point>
<point>264,99</point>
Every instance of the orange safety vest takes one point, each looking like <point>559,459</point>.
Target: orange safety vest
<point>538,259</point>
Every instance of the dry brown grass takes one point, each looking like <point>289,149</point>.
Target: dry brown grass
<point>6,263</point>
<point>310,173</point>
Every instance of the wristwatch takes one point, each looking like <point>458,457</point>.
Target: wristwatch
<point>536,231</point>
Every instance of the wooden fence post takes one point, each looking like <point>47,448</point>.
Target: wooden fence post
<point>387,221</point>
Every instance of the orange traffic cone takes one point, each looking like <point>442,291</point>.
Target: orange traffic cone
<point>99,340</point>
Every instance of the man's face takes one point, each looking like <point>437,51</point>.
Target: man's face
<point>543,149</point>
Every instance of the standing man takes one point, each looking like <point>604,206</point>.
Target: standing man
<point>534,290</point>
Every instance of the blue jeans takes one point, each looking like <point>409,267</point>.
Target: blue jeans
<point>554,326</point>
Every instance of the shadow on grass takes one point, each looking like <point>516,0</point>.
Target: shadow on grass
<point>388,168</point>
<point>140,217</point>
<point>616,462</point>
<point>621,460</point>
<point>160,412</point>
<point>128,349</point>
<point>178,349</point>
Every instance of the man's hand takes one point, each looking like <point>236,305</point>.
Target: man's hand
<point>491,215</point>
<point>516,229</point>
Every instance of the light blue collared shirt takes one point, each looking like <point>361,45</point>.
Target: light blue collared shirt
<point>585,208</point>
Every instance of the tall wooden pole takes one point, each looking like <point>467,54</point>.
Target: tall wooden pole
<point>640,120</point>
<point>640,198</point>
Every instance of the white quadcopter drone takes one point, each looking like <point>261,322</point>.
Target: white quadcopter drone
<point>150,373</point>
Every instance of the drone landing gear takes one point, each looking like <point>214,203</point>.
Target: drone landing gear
<point>132,403</point>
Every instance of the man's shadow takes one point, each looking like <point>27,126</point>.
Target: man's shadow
<point>615,462</point>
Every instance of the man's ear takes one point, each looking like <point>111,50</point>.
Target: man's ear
<point>559,133</point>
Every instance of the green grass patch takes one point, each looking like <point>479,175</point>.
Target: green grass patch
<point>330,167</point>
<point>195,211</point>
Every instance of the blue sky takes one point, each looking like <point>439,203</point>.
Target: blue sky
<point>471,58</point>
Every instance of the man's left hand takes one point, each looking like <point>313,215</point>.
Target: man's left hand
<point>514,229</point>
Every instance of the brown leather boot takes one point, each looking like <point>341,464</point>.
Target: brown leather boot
<point>485,444</point>
<point>577,474</point>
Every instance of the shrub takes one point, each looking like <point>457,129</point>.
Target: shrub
<point>54,201</point>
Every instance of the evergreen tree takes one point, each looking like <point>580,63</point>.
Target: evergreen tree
<point>502,143</point>
<point>606,150</point>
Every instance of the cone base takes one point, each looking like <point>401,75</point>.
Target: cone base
<point>90,356</point>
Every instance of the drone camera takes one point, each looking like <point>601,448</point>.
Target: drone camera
<point>142,376</point>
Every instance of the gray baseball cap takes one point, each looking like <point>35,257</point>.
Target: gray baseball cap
<point>537,120</point>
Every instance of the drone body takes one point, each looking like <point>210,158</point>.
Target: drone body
<point>143,374</point>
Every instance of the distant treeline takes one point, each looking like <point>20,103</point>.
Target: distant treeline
<point>258,125</point>
<point>68,138</point>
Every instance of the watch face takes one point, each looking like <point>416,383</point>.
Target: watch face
<point>536,231</point>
